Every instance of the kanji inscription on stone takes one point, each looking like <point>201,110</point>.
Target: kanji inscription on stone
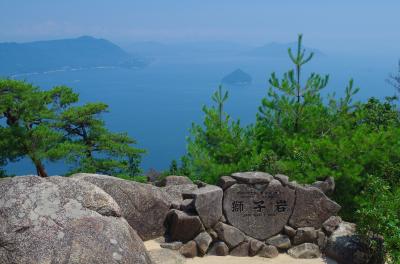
<point>259,211</point>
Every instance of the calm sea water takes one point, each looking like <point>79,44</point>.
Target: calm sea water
<point>158,104</point>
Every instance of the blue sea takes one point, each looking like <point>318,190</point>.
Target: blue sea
<point>157,105</point>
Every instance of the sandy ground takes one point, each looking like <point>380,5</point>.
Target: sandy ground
<point>154,246</point>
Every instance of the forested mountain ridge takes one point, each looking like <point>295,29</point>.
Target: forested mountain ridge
<point>82,52</point>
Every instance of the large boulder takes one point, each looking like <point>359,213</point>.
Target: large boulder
<point>144,206</point>
<point>346,247</point>
<point>260,211</point>
<point>182,226</point>
<point>63,220</point>
<point>312,208</point>
<point>208,204</point>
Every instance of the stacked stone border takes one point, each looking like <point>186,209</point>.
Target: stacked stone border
<point>249,214</point>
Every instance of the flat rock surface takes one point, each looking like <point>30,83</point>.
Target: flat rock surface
<point>312,208</point>
<point>208,204</point>
<point>259,212</point>
<point>63,220</point>
<point>252,177</point>
<point>144,206</point>
<point>281,259</point>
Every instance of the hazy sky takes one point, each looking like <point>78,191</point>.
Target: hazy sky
<point>334,25</point>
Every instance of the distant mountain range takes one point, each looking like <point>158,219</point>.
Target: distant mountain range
<point>212,49</point>
<point>89,52</point>
<point>82,52</point>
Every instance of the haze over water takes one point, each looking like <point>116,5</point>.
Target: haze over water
<point>157,104</point>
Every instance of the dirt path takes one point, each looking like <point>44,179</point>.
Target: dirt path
<point>154,247</point>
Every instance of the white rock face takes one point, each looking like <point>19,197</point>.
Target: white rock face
<point>63,220</point>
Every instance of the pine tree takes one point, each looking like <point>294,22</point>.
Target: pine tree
<point>29,115</point>
<point>93,148</point>
<point>288,97</point>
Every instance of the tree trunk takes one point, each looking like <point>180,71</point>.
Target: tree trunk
<point>40,169</point>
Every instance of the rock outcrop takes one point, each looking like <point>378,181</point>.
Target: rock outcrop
<point>63,220</point>
<point>144,206</point>
<point>345,246</point>
<point>261,215</point>
<point>267,207</point>
<point>312,208</point>
<point>207,202</point>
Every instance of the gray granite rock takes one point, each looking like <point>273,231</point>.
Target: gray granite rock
<point>144,206</point>
<point>241,250</point>
<point>213,234</point>
<point>280,241</point>
<point>182,226</point>
<point>289,231</point>
<point>260,211</point>
<point>345,246</point>
<point>189,250</point>
<point>322,240</point>
<point>252,177</point>
<point>63,220</point>
<point>208,204</point>
<point>175,180</point>
<point>255,246</point>
<point>305,235</point>
<point>229,234</point>
<point>331,224</point>
<point>312,208</point>
<point>203,241</point>
<point>282,178</point>
<point>166,256</point>
<point>268,251</point>
<point>226,182</point>
<point>176,192</point>
<point>219,248</point>
<point>305,251</point>
<point>187,205</point>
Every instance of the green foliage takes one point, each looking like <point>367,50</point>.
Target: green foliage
<point>92,147</point>
<point>379,214</point>
<point>173,168</point>
<point>29,114</point>
<point>303,134</point>
<point>45,126</point>
<point>220,146</point>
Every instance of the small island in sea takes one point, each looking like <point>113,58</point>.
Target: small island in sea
<point>238,78</point>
